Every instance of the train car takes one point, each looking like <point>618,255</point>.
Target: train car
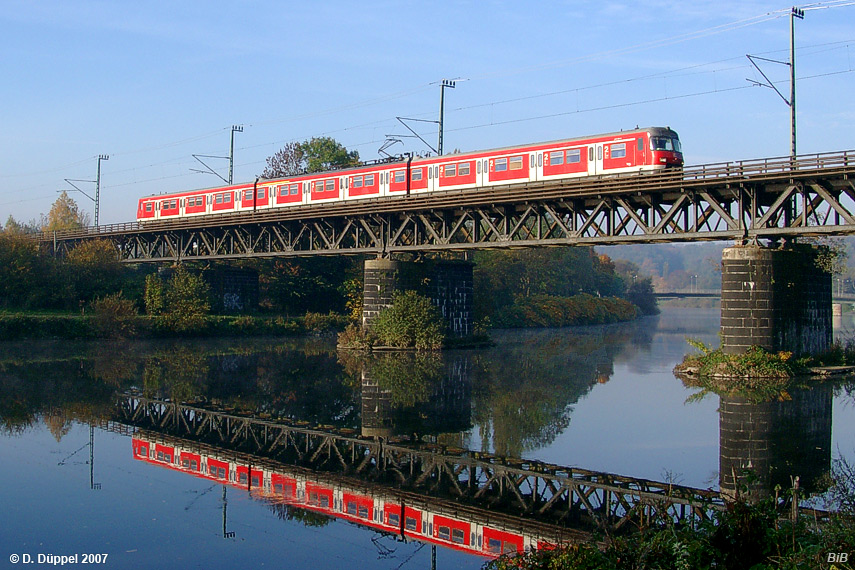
<point>625,152</point>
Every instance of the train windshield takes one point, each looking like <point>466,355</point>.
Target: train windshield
<point>665,143</point>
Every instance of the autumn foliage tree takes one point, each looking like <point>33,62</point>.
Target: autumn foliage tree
<point>66,215</point>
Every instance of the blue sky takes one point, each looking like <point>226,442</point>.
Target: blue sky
<point>152,83</point>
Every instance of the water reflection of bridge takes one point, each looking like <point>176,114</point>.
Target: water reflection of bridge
<point>545,492</point>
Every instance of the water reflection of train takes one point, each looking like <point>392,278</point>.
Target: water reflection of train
<point>386,510</point>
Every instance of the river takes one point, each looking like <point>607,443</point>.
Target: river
<point>76,480</point>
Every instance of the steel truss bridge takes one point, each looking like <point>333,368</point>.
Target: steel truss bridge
<point>812,195</point>
<point>544,492</point>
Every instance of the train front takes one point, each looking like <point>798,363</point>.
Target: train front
<point>666,148</point>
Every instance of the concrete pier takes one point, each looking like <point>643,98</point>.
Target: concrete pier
<point>449,285</point>
<point>778,299</point>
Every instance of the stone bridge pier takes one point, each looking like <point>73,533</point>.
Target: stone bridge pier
<point>449,285</point>
<point>778,299</point>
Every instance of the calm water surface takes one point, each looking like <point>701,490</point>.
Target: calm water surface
<point>598,398</point>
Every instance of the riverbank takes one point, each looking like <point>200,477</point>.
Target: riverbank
<point>23,326</point>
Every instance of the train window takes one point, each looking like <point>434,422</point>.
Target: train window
<point>444,532</point>
<point>363,512</point>
<point>227,198</point>
<point>369,181</point>
<point>242,478</point>
<point>619,150</point>
<point>508,547</point>
<point>640,145</point>
<point>501,164</point>
<point>160,456</point>
<point>417,174</point>
<point>247,195</point>
<point>262,193</point>
<point>556,158</point>
<point>143,451</point>
<point>450,170</point>
<point>531,161</point>
<point>400,176</point>
<point>357,182</point>
<point>430,173</point>
<point>539,159</point>
<point>458,536</point>
<point>599,153</point>
<point>478,166</point>
<point>325,501</point>
<point>574,155</point>
<point>463,169</point>
<point>255,482</point>
<point>516,163</point>
<point>394,520</point>
<point>330,185</point>
<point>590,154</point>
<point>148,207</point>
<point>411,523</point>
<point>351,507</point>
<point>221,472</point>
<point>185,463</point>
<point>194,465</point>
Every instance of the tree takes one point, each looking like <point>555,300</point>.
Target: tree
<point>187,303</point>
<point>314,155</point>
<point>325,153</point>
<point>93,269</point>
<point>288,161</point>
<point>66,215</point>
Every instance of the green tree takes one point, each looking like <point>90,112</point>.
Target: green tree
<point>325,153</point>
<point>154,299</point>
<point>92,269</point>
<point>22,270</point>
<point>66,215</point>
<point>187,301</point>
<point>314,155</point>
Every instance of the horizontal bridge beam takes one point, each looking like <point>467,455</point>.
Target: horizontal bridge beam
<point>737,201</point>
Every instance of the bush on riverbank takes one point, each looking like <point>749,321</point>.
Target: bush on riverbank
<point>411,322</point>
<point>34,327</point>
<point>555,311</point>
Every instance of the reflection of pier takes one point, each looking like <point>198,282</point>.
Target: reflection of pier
<point>769,443</point>
<point>546,492</point>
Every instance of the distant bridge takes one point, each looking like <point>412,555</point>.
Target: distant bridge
<point>811,195</point>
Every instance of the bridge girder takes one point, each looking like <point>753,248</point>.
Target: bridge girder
<point>743,202</point>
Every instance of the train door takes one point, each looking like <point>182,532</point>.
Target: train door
<point>595,158</point>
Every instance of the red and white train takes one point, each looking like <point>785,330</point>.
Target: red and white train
<point>377,509</point>
<point>639,150</point>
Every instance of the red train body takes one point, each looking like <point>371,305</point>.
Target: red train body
<point>639,150</point>
<point>375,509</point>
